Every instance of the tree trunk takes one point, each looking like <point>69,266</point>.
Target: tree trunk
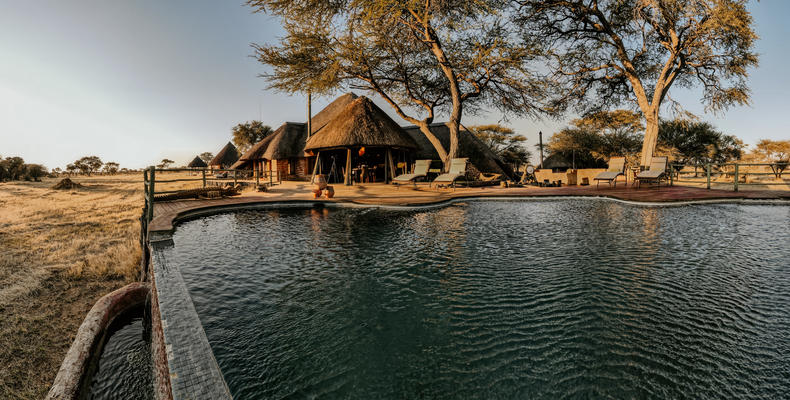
<point>437,144</point>
<point>651,136</point>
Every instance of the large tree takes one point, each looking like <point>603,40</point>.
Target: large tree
<point>88,164</point>
<point>697,143</point>
<point>248,133</point>
<point>206,156</point>
<point>609,52</point>
<point>776,152</point>
<point>422,57</point>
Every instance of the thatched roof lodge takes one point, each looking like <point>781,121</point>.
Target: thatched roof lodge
<point>197,163</point>
<point>352,139</point>
<point>225,158</point>
<point>364,132</point>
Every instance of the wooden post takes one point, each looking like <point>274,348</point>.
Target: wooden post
<point>671,175</point>
<point>257,177</point>
<point>152,178</point>
<point>315,167</point>
<point>391,166</point>
<point>204,178</point>
<point>707,171</point>
<point>736,177</point>
<point>234,178</point>
<point>348,168</point>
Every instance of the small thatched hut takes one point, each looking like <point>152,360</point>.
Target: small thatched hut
<point>556,163</point>
<point>480,156</point>
<point>225,158</point>
<point>358,144</point>
<point>197,163</point>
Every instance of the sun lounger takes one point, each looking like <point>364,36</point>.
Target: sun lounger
<point>457,170</point>
<point>616,168</point>
<point>657,171</point>
<point>420,171</point>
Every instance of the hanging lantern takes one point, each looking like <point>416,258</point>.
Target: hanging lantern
<point>361,151</point>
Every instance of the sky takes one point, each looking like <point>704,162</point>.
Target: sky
<point>138,81</point>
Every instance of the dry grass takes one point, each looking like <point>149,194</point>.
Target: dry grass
<point>61,250</point>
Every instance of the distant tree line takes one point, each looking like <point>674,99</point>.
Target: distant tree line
<point>15,169</point>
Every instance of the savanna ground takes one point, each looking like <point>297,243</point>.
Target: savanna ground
<point>60,251</point>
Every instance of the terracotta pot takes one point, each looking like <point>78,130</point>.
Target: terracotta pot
<point>330,192</point>
<point>316,194</point>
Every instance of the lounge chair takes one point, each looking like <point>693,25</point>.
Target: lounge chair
<point>457,170</point>
<point>420,171</point>
<point>657,171</point>
<point>616,168</point>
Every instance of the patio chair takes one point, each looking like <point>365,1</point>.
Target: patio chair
<point>457,170</point>
<point>616,168</point>
<point>420,171</point>
<point>656,172</point>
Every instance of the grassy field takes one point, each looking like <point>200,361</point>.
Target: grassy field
<point>61,251</point>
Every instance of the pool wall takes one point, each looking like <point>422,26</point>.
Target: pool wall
<point>74,373</point>
<point>184,365</point>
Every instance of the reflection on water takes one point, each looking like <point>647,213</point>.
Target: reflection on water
<point>495,300</point>
<point>125,368</point>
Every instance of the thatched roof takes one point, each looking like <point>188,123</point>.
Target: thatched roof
<point>287,142</point>
<point>469,145</point>
<point>361,123</point>
<point>197,163</point>
<point>555,161</point>
<point>289,139</point>
<point>226,157</point>
<point>329,112</point>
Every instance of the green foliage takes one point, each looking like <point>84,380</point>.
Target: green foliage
<point>773,151</point>
<point>247,134</point>
<point>165,163</point>
<point>611,52</point>
<point>595,138</point>
<point>693,142</point>
<point>111,167</point>
<point>206,156</point>
<point>504,142</point>
<point>35,172</point>
<point>88,164</point>
<point>421,57</point>
<point>13,168</point>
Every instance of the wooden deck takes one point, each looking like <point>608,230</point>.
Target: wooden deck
<point>165,213</point>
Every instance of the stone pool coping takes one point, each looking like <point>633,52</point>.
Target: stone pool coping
<point>71,379</point>
<point>164,222</point>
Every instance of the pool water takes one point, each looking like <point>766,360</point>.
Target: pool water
<point>125,367</point>
<point>495,299</point>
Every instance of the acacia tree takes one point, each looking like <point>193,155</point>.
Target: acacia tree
<point>248,133</point>
<point>504,142</point>
<point>111,167</point>
<point>597,137</point>
<point>694,142</point>
<point>206,156</point>
<point>422,57</point>
<point>88,164</point>
<point>166,162</point>
<point>776,152</point>
<point>612,51</point>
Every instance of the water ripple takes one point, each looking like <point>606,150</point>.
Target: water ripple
<point>565,299</point>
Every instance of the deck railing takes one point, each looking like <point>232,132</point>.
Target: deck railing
<point>153,179</point>
<point>735,171</point>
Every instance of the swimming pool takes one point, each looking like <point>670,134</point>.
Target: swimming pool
<point>495,299</point>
